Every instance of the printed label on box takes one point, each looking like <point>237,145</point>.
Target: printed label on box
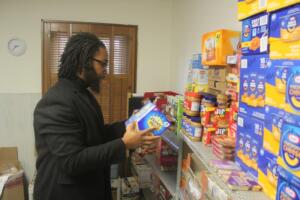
<point>255,35</point>
<point>150,117</point>
<point>283,85</point>
<point>285,33</point>
<point>252,88</point>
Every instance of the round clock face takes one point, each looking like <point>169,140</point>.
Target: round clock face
<point>16,47</point>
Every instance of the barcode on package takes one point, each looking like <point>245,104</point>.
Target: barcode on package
<point>264,44</point>
<point>244,63</point>
<point>240,122</point>
<point>262,4</point>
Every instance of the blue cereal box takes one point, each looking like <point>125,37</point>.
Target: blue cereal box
<point>268,172</point>
<point>255,33</point>
<point>150,117</point>
<point>283,85</point>
<point>288,186</point>
<point>289,155</point>
<point>285,33</point>
<point>252,85</point>
<point>249,143</point>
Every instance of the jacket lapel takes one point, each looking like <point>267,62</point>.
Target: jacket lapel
<point>83,96</point>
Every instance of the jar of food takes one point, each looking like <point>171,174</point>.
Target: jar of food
<point>208,133</point>
<point>192,103</point>
<point>195,129</point>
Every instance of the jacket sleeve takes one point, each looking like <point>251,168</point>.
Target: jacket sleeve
<point>58,127</point>
<point>114,131</point>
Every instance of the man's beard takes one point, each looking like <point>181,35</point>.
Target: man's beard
<point>93,80</point>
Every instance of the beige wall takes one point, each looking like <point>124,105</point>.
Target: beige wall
<point>169,33</point>
<point>22,18</point>
<point>192,18</point>
<point>20,77</point>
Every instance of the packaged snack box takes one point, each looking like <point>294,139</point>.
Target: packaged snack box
<point>278,4</point>
<point>285,33</point>
<point>255,34</point>
<point>252,85</point>
<point>217,45</point>
<point>289,155</point>
<point>150,117</point>
<point>247,8</point>
<point>288,185</point>
<point>283,85</point>
<point>268,173</point>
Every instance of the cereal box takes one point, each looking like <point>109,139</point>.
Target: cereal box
<point>255,35</point>
<point>150,117</point>
<point>285,33</point>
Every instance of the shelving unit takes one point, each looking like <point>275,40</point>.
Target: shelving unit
<point>205,155</point>
<point>170,138</point>
<point>167,178</point>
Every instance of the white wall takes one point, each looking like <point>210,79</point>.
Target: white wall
<point>22,75</point>
<point>192,18</point>
<point>19,18</point>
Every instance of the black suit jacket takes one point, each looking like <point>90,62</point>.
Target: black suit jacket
<point>75,149</point>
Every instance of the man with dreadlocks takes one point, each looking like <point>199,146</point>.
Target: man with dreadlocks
<point>75,148</point>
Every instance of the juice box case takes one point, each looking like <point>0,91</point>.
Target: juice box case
<point>268,172</point>
<point>289,155</point>
<point>285,33</point>
<point>278,4</point>
<point>249,143</point>
<point>150,117</point>
<point>255,34</point>
<point>252,85</point>
<point>217,45</point>
<point>288,186</point>
<point>247,8</point>
<point>283,85</point>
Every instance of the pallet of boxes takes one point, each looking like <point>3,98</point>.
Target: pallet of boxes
<point>11,175</point>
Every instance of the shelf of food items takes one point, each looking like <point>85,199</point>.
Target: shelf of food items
<point>160,110</point>
<point>251,102</point>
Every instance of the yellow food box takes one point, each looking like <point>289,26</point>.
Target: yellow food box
<point>267,173</point>
<point>285,33</point>
<point>248,8</point>
<point>273,5</point>
<point>217,45</point>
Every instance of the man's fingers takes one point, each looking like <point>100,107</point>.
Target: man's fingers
<point>132,126</point>
<point>151,138</point>
<point>147,131</point>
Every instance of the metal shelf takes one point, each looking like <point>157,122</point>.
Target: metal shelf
<point>148,194</point>
<point>167,178</point>
<point>172,139</point>
<point>205,155</point>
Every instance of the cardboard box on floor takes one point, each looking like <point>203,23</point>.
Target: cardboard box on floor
<point>14,187</point>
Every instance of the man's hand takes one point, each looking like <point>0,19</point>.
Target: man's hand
<point>134,139</point>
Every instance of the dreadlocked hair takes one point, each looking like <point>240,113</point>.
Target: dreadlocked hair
<point>78,55</point>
